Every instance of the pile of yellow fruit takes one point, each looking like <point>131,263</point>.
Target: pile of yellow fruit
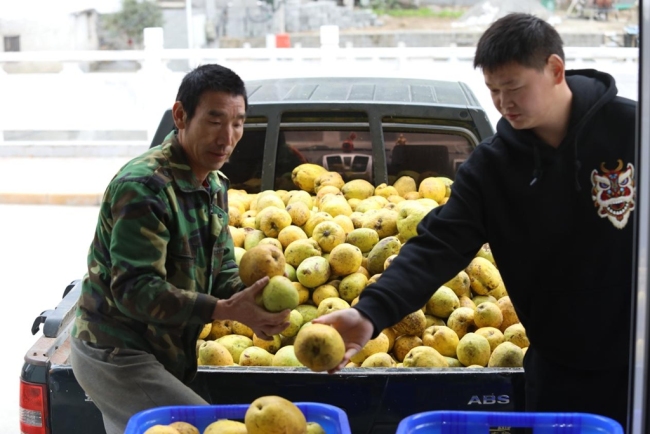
<point>266,415</point>
<point>324,242</point>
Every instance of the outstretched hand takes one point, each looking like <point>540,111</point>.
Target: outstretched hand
<point>355,329</point>
<point>242,307</point>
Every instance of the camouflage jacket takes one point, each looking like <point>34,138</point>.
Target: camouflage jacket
<point>161,256</point>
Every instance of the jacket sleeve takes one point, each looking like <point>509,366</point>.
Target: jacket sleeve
<point>448,238</point>
<point>138,253</point>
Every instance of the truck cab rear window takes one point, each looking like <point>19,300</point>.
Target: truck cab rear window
<point>426,153</point>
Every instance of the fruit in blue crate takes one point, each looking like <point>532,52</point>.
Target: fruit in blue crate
<point>274,415</point>
<point>226,426</point>
<point>184,427</point>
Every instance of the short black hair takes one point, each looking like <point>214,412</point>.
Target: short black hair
<point>210,77</point>
<point>517,38</point>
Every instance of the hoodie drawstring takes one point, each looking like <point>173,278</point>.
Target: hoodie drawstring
<point>576,164</point>
<point>537,163</point>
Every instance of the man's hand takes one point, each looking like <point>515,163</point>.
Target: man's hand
<point>354,328</point>
<point>243,308</point>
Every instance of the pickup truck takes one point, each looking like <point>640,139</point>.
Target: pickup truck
<point>369,128</point>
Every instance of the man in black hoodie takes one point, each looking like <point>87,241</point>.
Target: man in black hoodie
<point>552,192</point>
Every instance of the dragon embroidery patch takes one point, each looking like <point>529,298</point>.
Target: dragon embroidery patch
<point>613,193</point>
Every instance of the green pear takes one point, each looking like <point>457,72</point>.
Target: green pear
<point>280,294</point>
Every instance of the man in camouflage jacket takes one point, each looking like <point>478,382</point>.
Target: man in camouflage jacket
<point>162,263</point>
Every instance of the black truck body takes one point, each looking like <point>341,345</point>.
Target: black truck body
<point>298,110</point>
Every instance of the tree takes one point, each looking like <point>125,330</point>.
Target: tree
<point>130,22</point>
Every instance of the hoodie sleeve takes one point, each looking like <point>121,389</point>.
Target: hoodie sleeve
<point>448,238</point>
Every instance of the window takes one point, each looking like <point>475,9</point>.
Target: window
<point>12,43</point>
<point>425,153</point>
<point>343,150</point>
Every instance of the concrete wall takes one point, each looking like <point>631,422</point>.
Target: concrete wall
<point>411,39</point>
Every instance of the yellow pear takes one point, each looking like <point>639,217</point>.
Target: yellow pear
<point>442,339</point>
<point>488,314</point>
<point>308,312</point>
<point>330,305</point>
<point>378,360</point>
<point>508,311</point>
<point>272,346</point>
<point>376,345</point>
<point>313,271</point>
<point>335,205</point>
<point>404,344</point>
<point>226,426</point>
<point>295,196</point>
<point>214,353</point>
<point>299,250</point>
<point>255,356</point>
<point>322,292</point>
<point>364,238</point>
<point>299,213</point>
<point>461,321</point>
<point>274,415</point>
<point>219,328</point>
<point>285,357</point>
<point>412,324</point>
<point>473,349</point>
<point>390,333</point>
<point>235,344</point>
<point>303,293</point>
<point>328,178</point>
<point>320,347</point>
<point>304,176</point>
<point>460,284</point>
<point>432,188</point>
<point>184,427</point>
<point>384,222</point>
<point>268,199</point>
<point>352,285</point>
<point>386,191</point>
<point>238,236</point>
<point>290,234</point>
<point>507,355</point>
<point>162,429</point>
<point>443,302</point>
<point>424,357</point>
<point>205,331</point>
<point>314,220</point>
<point>493,335</point>
<point>483,276</point>
<point>344,259</point>
<point>357,188</point>
<point>404,185</point>
<point>259,261</point>
<point>328,234</point>
<point>314,428</point>
<point>295,322</point>
<point>252,237</point>
<point>242,329</point>
<point>380,251</point>
<point>516,334</point>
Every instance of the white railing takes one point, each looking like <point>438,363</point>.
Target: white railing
<point>90,102</point>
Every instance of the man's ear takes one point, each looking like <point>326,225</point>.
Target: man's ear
<point>178,113</point>
<point>555,64</point>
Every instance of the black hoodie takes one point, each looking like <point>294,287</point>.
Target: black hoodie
<point>564,255</point>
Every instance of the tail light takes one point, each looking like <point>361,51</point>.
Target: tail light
<point>33,408</point>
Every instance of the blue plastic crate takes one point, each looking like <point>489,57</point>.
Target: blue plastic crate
<point>331,418</point>
<point>480,422</point>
